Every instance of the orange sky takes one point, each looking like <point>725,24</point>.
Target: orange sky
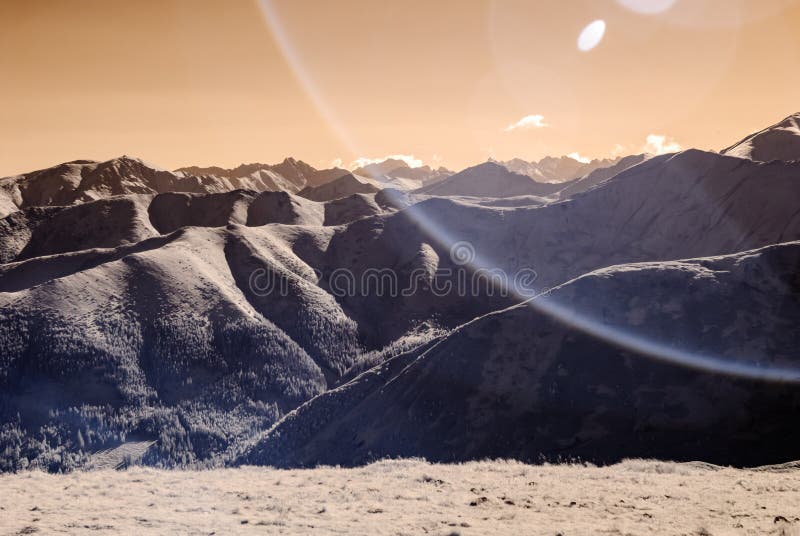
<point>181,82</point>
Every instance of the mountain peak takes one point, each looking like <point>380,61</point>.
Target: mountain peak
<point>556,169</point>
<point>127,158</point>
<point>291,161</point>
<point>780,141</point>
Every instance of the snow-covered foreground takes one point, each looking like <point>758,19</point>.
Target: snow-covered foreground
<point>409,497</point>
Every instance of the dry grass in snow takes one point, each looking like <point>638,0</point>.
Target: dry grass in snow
<point>409,497</point>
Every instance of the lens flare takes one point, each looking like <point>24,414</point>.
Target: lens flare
<point>294,59</point>
<point>647,7</point>
<point>591,36</point>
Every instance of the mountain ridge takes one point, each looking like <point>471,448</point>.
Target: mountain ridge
<point>485,387</point>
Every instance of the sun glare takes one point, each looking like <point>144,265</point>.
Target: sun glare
<point>591,35</point>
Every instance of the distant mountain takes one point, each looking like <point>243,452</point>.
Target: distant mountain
<point>489,179</point>
<point>393,173</point>
<point>386,167</point>
<point>84,180</point>
<point>780,141</point>
<point>290,175</point>
<point>556,169</point>
<point>517,177</point>
<point>600,175</point>
<point>524,384</point>
<point>344,186</point>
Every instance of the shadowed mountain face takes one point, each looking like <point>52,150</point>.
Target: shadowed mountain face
<point>521,383</point>
<point>197,319</point>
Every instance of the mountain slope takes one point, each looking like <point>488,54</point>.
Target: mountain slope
<point>283,207</point>
<point>780,141</point>
<point>488,180</point>
<point>523,383</point>
<point>351,208</point>
<point>103,223</point>
<point>171,211</point>
<point>119,220</point>
<point>167,330</point>
<point>398,174</point>
<point>599,175</point>
<point>344,186</point>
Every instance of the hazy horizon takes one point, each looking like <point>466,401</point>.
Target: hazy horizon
<point>181,83</point>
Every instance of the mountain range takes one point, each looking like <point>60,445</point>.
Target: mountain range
<point>202,310</point>
<point>556,169</point>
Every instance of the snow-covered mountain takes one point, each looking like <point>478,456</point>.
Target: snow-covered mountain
<point>555,178</point>
<point>556,169</point>
<point>489,179</point>
<point>344,186</point>
<point>780,141</point>
<point>394,173</point>
<point>290,175</point>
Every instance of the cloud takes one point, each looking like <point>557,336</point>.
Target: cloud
<point>409,159</point>
<point>528,122</point>
<point>655,144</point>
<point>336,163</point>
<point>579,158</point>
<point>618,150</point>
<point>591,36</point>
<point>658,144</point>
